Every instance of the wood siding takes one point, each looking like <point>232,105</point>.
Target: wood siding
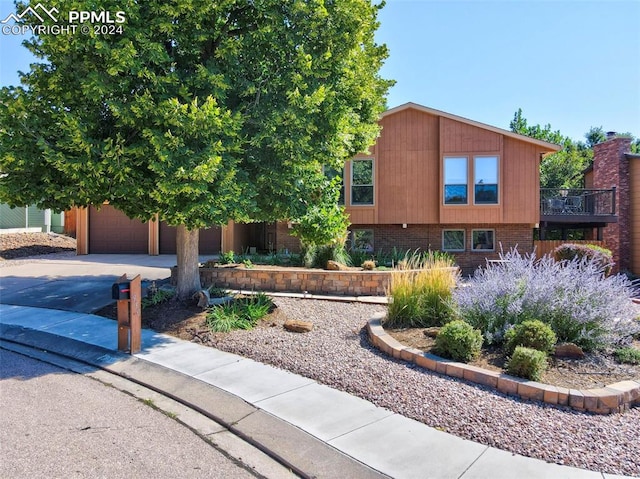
<point>634,217</point>
<point>407,164</point>
<point>408,184</point>
<point>520,182</point>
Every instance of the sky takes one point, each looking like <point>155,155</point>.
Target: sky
<point>571,64</point>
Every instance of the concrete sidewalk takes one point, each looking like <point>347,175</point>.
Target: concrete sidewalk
<point>315,430</point>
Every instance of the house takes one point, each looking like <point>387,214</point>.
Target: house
<point>432,180</point>
<point>30,219</point>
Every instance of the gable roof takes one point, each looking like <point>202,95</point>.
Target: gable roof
<point>548,147</point>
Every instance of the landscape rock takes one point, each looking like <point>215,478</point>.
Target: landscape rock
<point>569,350</point>
<point>335,266</point>
<point>297,326</point>
<point>203,298</point>
<point>431,332</point>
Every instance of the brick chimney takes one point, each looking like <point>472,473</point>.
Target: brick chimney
<point>611,168</point>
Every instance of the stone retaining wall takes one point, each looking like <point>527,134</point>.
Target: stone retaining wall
<point>613,398</point>
<point>312,281</point>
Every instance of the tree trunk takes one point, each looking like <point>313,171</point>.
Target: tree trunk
<point>188,265</point>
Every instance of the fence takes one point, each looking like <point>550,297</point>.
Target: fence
<point>544,247</point>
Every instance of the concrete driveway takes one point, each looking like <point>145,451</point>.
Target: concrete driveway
<point>76,283</point>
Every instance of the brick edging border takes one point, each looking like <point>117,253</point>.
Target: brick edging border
<point>617,397</point>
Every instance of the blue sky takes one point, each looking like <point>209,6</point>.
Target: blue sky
<point>572,64</point>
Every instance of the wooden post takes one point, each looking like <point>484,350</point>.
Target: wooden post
<point>130,317</point>
<point>123,320</point>
<point>135,311</point>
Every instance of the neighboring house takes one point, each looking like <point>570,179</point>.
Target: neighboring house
<point>433,180</point>
<point>30,219</point>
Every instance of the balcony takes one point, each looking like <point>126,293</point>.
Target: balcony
<point>577,208</point>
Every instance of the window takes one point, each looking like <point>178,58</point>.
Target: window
<point>453,240</point>
<point>332,173</point>
<point>482,240</point>
<point>455,181</point>
<point>362,182</point>
<point>486,180</point>
<point>362,240</point>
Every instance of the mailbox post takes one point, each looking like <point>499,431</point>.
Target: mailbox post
<point>128,294</point>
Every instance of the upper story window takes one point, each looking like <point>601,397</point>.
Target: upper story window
<point>455,181</point>
<point>486,180</point>
<point>362,182</point>
<point>332,173</point>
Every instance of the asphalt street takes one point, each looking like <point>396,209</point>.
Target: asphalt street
<point>59,424</point>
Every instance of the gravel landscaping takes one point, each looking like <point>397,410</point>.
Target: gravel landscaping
<point>337,353</point>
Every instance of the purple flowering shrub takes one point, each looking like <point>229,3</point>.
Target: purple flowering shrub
<point>580,303</point>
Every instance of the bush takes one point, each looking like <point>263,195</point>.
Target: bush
<point>228,258</point>
<point>532,334</point>
<point>317,256</point>
<point>585,252</point>
<point>241,313</point>
<point>421,294</point>
<point>581,305</point>
<point>459,341</point>
<point>369,265</point>
<point>527,363</point>
<point>627,355</point>
<point>159,296</point>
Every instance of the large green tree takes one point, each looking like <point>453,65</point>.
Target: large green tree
<point>200,111</point>
<point>565,169</point>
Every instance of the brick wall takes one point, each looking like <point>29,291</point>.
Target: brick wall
<point>424,237</point>
<point>611,168</point>
<point>284,240</point>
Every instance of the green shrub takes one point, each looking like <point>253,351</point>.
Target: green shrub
<point>215,292</point>
<point>532,334</point>
<point>241,313</point>
<point>459,341</point>
<point>228,258</point>
<point>247,263</point>
<point>317,256</point>
<point>627,355</point>
<point>159,296</point>
<point>527,363</point>
<point>581,252</point>
<point>369,265</point>
<point>420,295</point>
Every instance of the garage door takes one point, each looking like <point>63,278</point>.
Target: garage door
<point>111,231</point>
<point>210,240</point>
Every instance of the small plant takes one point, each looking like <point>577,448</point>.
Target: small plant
<point>317,256</point>
<point>532,334</point>
<point>242,313</point>
<point>247,263</point>
<point>369,265</point>
<point>627,355</point>
<point>215,292</point>
<point>585,252</point>
<point>527,363</point>
<point>459,341</point>
<point>160,296</point>
<point>228,258</point>
<point>421,293</point>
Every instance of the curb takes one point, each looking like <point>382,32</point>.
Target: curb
<point>613,398</point>
<point>292,447</point>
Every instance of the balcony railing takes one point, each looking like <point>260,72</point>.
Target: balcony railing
<point>579,203</point>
